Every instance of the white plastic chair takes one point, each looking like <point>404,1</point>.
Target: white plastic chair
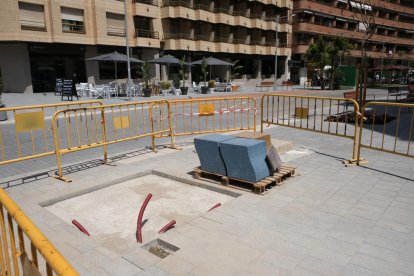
<point>85,89</point>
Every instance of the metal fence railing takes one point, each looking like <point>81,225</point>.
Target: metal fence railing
<point>21,242</point>
<point>334,116</point>
<point>86,128</point>
<point>208,115</point>
<point>28,134</point>
<point>387,127</point>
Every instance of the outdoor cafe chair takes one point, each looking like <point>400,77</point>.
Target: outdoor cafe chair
<point>84,89</point>
<point>79,90</point>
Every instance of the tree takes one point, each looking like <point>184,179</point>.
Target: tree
<point>236,69</point>
<point>328,52</point>
<point>338,48</point>
<point>318,56</point>
<point>363,13</point>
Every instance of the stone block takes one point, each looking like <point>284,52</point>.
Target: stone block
<point>245,159</point>
<point>257,136</point>
<point>273,160</point>
<point>208,150</point>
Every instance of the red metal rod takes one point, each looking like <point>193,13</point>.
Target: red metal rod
<point>138,233</point>
<point>167,226</point>
<point>80,227</point>
<point>215,206</point>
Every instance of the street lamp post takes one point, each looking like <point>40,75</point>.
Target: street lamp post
<point>127,50</point>
<point>276,44</point>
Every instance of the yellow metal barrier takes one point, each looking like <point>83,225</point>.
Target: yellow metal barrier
<point>389,127</point>
<point>28,125</point>
<point>18,228</point>
<point>208,115</point>
<point>334,116</point>
<point>99,126</point>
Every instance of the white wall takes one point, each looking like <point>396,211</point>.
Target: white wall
<point>15,68</point>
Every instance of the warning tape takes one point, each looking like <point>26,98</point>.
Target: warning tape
<point>221,112</point>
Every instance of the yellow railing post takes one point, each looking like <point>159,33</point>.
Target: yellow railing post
<point>361,125</point>
<point>104,136</point>
<point>304,108</point>
<point>52,256</point>
<point>55,129</point>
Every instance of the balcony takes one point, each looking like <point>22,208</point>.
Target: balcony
<point>314,5</point>
<point>147,34</point>
<point>177,36</point>
<point>176,3</point>
<point>202,7</point>
<point>147,2</point>
<point>200,12</point>
<point>349,33</point>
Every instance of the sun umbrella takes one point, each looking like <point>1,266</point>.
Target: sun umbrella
<point>167,60</point>
<point>213,62</point>
<point>115,57</point>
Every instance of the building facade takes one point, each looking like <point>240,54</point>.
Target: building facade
<point>41,40</point>
<point>391,43</point>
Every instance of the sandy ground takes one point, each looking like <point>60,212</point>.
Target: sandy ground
<point>110,214</point>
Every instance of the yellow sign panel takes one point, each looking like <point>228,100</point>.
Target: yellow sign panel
<point>206,109</point>
<point>121,122</point>
<point>30,121</point>
<point>301,112</point>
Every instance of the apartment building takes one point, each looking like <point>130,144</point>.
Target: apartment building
<point>41,40</point>
<point>391,43</point>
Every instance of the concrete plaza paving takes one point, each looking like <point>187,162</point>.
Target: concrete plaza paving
<point>327,220</point>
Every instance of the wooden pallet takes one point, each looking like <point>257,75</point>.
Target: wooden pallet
<point>285,171</point>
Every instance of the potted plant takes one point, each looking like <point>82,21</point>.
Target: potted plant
<point>3,114</point>
<point>146,75</point>
<point>211,85</point>
<point>204,64</point>
<point>184,77</point>
<point>165,87</point>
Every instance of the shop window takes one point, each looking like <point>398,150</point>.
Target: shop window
<point>32,17</point>
<point>72,20</point>
<point>115,24</point>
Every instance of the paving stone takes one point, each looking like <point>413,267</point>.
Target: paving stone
<point>355,270</point>
<point>152,271</point>
<point>121,266</point>
<point>392,225</point>
<point>175,265</point>
<point>405,266</point>
<point>379,252</point>
<point>141,258</point>
<point>366,211</point>
<point>374,264</point>
<point>261,267</point>
<point>320,266</point>
<point>285,260</point>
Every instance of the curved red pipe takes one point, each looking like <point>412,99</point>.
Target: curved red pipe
<point>80,227</point>
<point>215,206</point>
<point>138,233</point>
<point>167,226</point>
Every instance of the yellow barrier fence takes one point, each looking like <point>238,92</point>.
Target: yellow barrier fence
<point>334,116</point>
<point>99,126</point>
<point>17,228</point>
<point>387,127</point>
<point>28,134</point>
<point>208,115</point>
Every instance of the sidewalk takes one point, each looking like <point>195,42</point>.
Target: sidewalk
<point>16,99</point>
<point>327,220</point>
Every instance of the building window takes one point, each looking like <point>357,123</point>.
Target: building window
<point>32,17</point>
<point>72,20</point>
<point>115,24</point>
